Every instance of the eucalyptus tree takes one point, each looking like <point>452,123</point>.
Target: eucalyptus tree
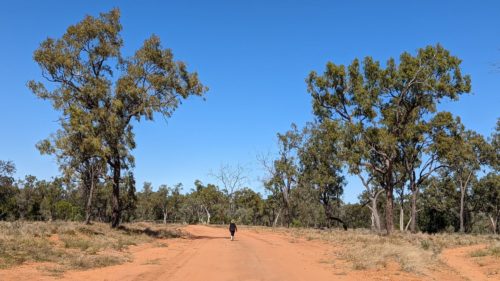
<point>165,199</point>
<point>162,200</point>
<point>321,166</point>
<point>77,150</point>
<point>129,201</point>
<point>231,179</point>
<point>419,160</point>
<point>249,206</point>
<point>375,104</point>
<point>51,192</point>
<point>372,193</point>
<point>487,193</point>
<point>8,190</point>
<point>209,198</point>
<point>461,151</point>
<point>494,160</point>
<point>91,82</point>
<point>439,204</point>
<point>147,202</point>
<point>283,172</point>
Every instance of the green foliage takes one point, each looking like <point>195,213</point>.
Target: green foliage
<point>377,121</point>
<point>378,107</point>
<point>99,92</point>
<point>65,210</point>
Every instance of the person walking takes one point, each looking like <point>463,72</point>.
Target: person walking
<point>232,229</point>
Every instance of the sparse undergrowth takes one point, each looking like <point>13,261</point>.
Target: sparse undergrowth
<point>492,250</point>
<point>73,245</point>
<point>417,253</point>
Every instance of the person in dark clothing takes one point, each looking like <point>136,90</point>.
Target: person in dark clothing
<point>232,229</point>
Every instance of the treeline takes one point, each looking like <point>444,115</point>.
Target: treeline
<point>420,168</point>
<point>58,199</point>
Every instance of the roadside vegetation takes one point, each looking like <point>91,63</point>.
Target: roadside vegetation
<point>420,253</point>
<point>72,245</point>
<point>421,169</point>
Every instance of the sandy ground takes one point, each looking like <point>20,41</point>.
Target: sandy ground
<point>254,255</point>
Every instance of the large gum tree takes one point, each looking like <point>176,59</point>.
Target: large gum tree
<point>100,93</point>
<point>375,106</point>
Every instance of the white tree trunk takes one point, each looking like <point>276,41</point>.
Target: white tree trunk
<point>463,189</point>
<point>208,215</point>
<point>493,224</point>
<point>276,218</point>
<point>401,218</point>
<point>165,214</point>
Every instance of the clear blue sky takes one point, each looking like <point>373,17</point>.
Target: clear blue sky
<point>254,56</point>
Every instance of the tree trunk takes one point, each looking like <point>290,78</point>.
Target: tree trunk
<point>413,218</point>
<point>165,214</point>
<point>463,187</point>
<point>389,224</point>
<point>408,224</point>
<point>277,218</point>
<point>375,217</point>
<point>344,225</point>
<point>494,222</point>
<point>115,200</point>
<point>208,214</point>
<point>462,202</point>
<point>88,207</point>
<point>401,218</point>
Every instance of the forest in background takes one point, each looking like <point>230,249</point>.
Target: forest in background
<point>421,169</point>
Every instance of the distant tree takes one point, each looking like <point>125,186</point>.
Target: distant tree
<point>175,202</point>
<point>95,85</point>
<point>356,215</point>
<point>209,199</point>
<point>129,201</point>
<point>51,192</point>
<point>372,193</point>
<point>494,155</point>
<point>164,199</point>
<point>249,206</point>
<point>375,105</point>
<point>7,170</point>
<point>27,200</point>
<point>462,152</point>
<point>321,166</point>
<point>231,179</point>
<point>146,202</point>
<point>65,210</point>
<point>419,160</point>
<point>487,193</point>
<point>440,204</point>
<point>283,173</point>
<point>8,190</point>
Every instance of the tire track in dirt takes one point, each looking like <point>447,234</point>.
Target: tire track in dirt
<point>208,254</point>
<point>460,261</point>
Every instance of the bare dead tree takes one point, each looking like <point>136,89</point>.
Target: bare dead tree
<point>231,179</point>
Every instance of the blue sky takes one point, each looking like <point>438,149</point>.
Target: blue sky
<point>254,56</point>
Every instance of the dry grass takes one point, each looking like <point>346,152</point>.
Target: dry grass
<point>491,250</point>
<point>417,253</point>
<point>72,245</point>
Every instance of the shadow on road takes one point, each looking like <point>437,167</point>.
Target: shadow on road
<point>196,237</point>
<point>160,233</point>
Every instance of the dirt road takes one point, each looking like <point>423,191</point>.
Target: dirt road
<point>250,257</point>
<point>208,254</point>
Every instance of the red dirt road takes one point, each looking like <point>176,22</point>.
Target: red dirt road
<point>207,255</point>
<point>250,257</point>
<point>255,255</point>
